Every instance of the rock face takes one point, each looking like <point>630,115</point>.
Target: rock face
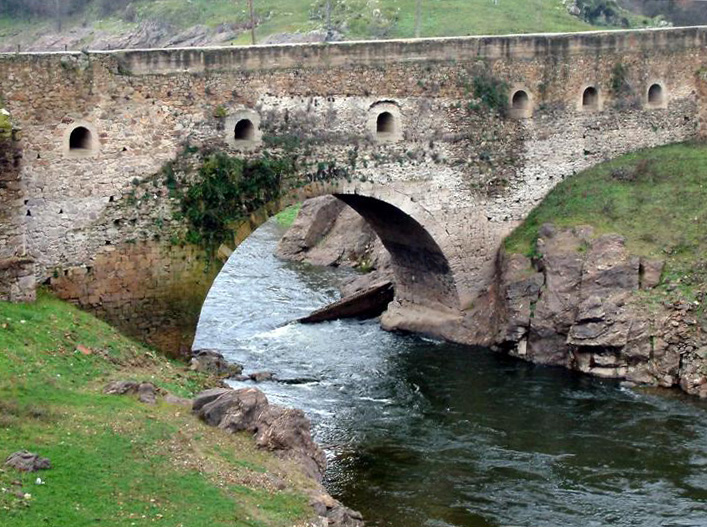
<point>285,431</point>
<point>578,306</point>
<point>25,461</point>
<point>328,232</point>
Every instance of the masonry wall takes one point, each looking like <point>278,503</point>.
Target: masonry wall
<point>462,171</point>
<point>17,280</point>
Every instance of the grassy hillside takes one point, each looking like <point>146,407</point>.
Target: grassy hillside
<point>352,19</point>
<point>118,462</point>
<point>654,198</point>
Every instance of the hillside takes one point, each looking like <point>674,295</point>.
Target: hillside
<point>116,461</point>
<point>35,25</point>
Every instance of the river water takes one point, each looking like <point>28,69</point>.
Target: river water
<point>424,433</point>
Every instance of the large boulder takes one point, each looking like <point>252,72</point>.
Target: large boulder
<point>288,429</point>
<point>233,410</point>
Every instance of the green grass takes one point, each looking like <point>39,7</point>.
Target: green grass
<point>654,198</point>
<point>356,19</point>
<point>288,216</point>
<point>117,462</point>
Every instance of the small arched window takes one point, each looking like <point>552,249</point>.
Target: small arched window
<point>520,100</point>
<point>656,96</point>
<point>80,139</point>
<point>385,124</point>
<point>590,98</point>
<point>244,130</point>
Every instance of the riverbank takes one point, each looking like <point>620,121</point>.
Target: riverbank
<point>116,460</point>
<point>608,274</point>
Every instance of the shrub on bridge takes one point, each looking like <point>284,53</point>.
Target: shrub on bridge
<point>226,190</point>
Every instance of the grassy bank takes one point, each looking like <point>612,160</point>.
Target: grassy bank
<point>654,198</point>
<point>118,462</point>
<point>288,216</point>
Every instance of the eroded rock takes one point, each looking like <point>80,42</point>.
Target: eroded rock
<point>278,429</point>
<point>146,391</point>
<point>578,306</point>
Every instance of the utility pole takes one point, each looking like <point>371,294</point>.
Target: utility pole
<point>328,21</point>
<point>252,21</point>
<point>418,16</point>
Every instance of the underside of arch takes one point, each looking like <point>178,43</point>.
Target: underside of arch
<point>422,272</point>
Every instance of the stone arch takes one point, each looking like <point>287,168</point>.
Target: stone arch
<point>80,140</point>
<point>422,271</point>
<point>244,130</point>
<point>656,96</point>
<point>421,263</point>
<point>591,99</point>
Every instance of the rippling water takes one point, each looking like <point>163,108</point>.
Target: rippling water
<point>424,433</point>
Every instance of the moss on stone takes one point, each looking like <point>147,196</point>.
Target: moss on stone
<point>5,124</point>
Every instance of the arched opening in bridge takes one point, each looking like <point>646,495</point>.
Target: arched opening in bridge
<point>590,98</point>
<point>244,130</point>
<point>520,100</point>
<point>656,96</point>
<point>80,139</point>
<point>385,124</point>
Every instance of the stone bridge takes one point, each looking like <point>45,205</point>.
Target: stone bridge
<point>443,145</point>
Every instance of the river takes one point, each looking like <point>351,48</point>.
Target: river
<point>421,433</point>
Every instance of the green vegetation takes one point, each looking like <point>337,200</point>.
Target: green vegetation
<point>354,19</point>
<point>117,462</point>
<point>288,216</point>
<point>654,198</point>
<point>492,92</point>
<point>227,189</point>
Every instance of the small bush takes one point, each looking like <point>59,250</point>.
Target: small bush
<point>492,93</point>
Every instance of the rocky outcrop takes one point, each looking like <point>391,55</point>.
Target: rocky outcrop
<point>25,461</point>
<point>364,304</point>
<point>578,305</point>
<point>327,232</point>
<point>284,431</point>
<point>212,362</point>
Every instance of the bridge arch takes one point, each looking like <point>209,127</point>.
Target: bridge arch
<point>591,99</point>
<point>421,255</point>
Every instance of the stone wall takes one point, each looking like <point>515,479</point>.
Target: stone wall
<point>17,281</point>
<point>464,173</point>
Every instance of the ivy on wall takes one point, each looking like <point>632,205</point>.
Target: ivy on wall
<point>225,190</point>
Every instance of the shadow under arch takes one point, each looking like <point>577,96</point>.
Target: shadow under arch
<point>423,274</point>
<point>422,271</point>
